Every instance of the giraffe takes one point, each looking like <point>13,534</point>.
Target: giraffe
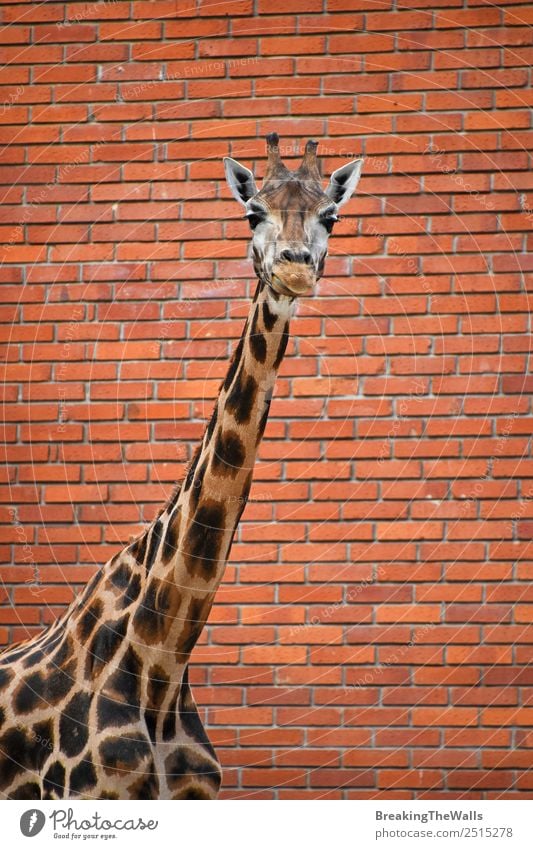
<point>99,705</point>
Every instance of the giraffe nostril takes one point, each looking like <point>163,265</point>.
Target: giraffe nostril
<point>287,255</point>
<point>302,256</point>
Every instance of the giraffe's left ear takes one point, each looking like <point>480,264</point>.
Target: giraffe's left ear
<point>344,181</point>
<point>240,180</point>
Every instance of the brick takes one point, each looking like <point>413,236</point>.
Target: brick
<point>360,43</point>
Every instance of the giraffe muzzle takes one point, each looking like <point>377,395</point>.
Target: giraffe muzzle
<point>294,279</point>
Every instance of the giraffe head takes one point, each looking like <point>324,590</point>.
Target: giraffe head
<point>292,216</point>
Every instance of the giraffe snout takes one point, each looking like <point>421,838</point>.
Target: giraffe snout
<point>293,278</point>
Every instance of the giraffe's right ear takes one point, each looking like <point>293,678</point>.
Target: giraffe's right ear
<point>240,180</point>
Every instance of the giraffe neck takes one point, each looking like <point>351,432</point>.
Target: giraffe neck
<point>217,486</point>
<point>186,549</point>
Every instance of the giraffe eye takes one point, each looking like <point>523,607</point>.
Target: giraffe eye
<point>254,219</point>
<point>328,222</point>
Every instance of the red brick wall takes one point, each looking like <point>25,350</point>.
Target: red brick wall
<point>373,632</point>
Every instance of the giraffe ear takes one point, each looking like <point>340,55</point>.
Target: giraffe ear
<point>343,182</point>
<point>240,180</point>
